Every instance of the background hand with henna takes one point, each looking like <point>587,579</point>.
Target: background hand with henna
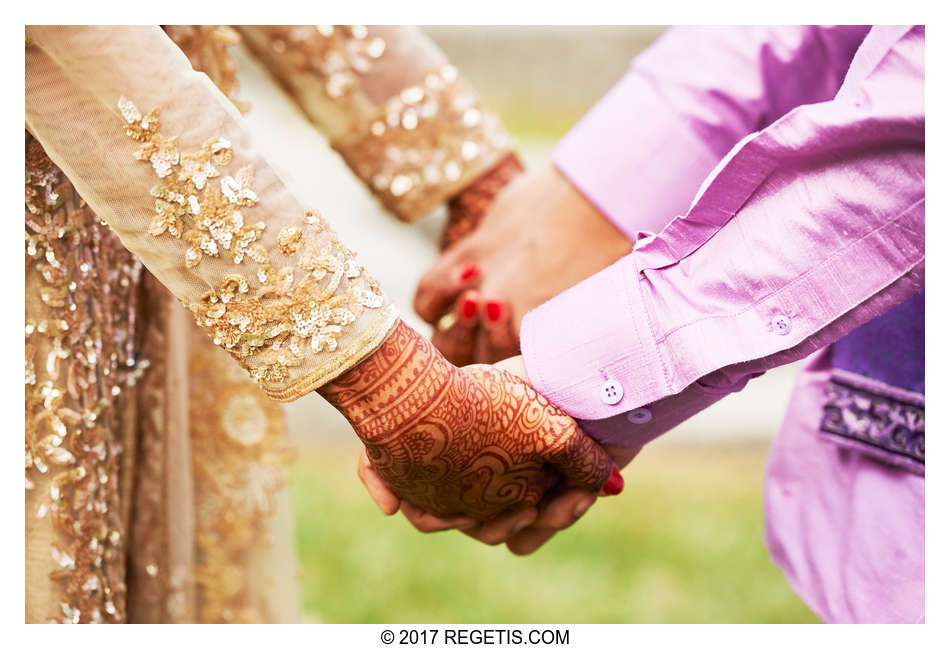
<point>465,444</point>
<point>539,237</point>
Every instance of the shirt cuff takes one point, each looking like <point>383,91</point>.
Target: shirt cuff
<point>593,350</point>
<point>641,425</point>
<point>634,158</point>
<point>593,336</point>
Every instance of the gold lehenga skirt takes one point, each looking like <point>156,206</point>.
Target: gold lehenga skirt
<point>155,469</point>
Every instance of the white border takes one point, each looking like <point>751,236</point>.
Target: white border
<point>486,12</point>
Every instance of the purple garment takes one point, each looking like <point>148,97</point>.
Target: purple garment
<point>810,226</point>
<point>889,349</point>
<point>874,400</point>
<point>845,528</point>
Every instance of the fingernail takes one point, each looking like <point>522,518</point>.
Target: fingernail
<point>493,310</point>
<point>469,308</point>
<point>523,523</point>
<point>467,273</point>
<point>582,507</point>
<point>614,484</point>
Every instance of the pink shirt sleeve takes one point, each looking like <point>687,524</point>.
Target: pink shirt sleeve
<point>804,231</point>
<point>640,153</point>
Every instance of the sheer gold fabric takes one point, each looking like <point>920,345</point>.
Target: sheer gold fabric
<point>155,469</point>
<point>208,48</point>
<point>162,156</point>
<point>210,531</point>
<point>390,103</point>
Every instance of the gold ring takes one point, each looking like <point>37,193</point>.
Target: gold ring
<point>447,321</point>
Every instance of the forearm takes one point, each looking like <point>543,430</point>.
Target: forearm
<point>468,206</point>
<point>803,233</point>
<point>391,104</point>
<point>642,151</point>
<point>186,191</point>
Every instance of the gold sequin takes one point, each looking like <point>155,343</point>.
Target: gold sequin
<point>427,142</point>
<point>289,239</point>
<point>80,353</point>
<point>336,55</point>
<point>208,49</point>
<point>423,145</point>
<point>80,326</point>
<point>285,315</point>
<point>206,216</point>
<point>272,327</point>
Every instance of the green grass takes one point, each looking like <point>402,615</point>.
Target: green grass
<point>681,544</point>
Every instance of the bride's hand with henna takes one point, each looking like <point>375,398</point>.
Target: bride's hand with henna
<point>466,445</point>
<point>538,238</point>
<point>524,530</point>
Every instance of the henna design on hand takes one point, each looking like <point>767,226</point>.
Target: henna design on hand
<point>475,441</point>
<point>468,206</point>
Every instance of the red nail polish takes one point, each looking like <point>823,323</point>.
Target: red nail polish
<point>493,310</point>
<point>467,273</point>
<point>614,484</point>
<point>469,308</point>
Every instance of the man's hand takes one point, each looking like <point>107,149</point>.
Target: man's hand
<point>540,237</point>
<point>476,442</point>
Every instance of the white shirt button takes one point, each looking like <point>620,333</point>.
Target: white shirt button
<point>611,392</point>
<point>781,324</point>
<point>640,415</point>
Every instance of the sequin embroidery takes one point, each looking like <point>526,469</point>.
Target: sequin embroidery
<point>303,299</point>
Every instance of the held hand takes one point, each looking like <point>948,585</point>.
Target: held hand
<point>540,237</point>
<point>560,508</point>
<point>524,530</point>
<point>475,442</point>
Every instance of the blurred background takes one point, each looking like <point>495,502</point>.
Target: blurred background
<point>683,543</point>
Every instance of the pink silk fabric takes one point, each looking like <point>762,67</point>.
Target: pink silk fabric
<point>773,181</point>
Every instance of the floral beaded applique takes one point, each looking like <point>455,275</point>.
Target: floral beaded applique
<point>205,215</point>
<point>304,296</point>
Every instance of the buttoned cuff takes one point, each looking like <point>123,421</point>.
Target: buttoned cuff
<point>586,349</point>
<point>634,158</point>
<point>594,352</point>
<point>639,426</point>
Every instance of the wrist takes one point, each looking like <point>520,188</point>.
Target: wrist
<point>467,208</point>
<point>514,365</point>
<point>377,395</point>
<point>573,203</point>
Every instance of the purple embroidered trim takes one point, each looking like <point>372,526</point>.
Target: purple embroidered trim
<point>884,420</point>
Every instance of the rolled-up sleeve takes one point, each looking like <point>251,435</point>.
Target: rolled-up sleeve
<point>804,231</point>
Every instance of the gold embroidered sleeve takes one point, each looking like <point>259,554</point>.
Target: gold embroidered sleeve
<point>208,47</point>
<point>386,97</point>
<point>186,192</point>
